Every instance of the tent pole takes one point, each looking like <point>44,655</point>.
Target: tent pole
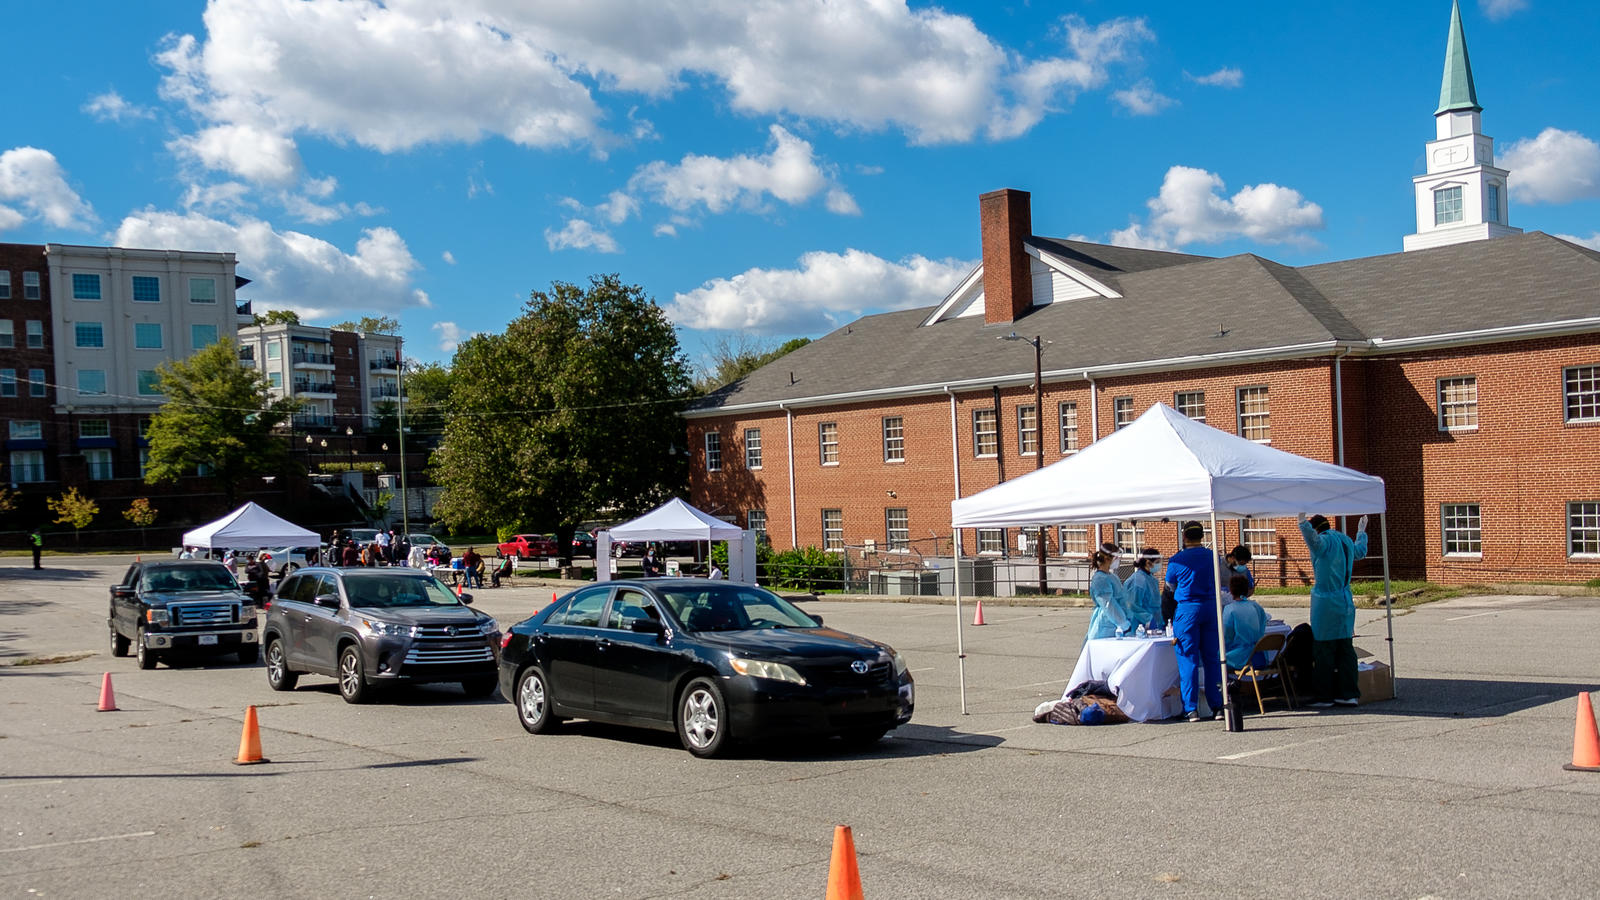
<point>961,652</point>
<point>1222,646</point>
<point>1388,599</point>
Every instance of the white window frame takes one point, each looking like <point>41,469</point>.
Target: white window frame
<point>1453,408</point>
<point>27,466</point>
<point>1458,525</point>
<point>161,336</point>
<point>1027,430</point>
<point>25,430</point>
<point>991,541</point>
<point>99,286</point>
<point>1580,389</point>
<point>992,435</point>
<point>894,439</point>
<point>1583,516</point>
<point>828,443</point>
<point>1070,546</point>
<point>752,449</point>
<point>193,299</point>
<point>1067,415</point>
<point>1130,535</point>
<point>1121,413</point>
<point>105,385</point>
<point>756,520</point>
<point>8,383</point>
<point>34,328</point>
<point>79,330</point>
<point>1448,205</point>
<point>1492,207</point>
<point>8,335</point>
<point>99,462</point>
<point>36,383</point>
<point>153,382</point>
<point>897,540</point>
<point>94,428</point>
<point>133,290</point>
<point>1265,416</point>
<point>833,530</point>
<point>274,350</point>
<point>1258,533</point>
<point>216,335</point>
<point>713,443</point>
<point>5,284</point>
<point>31,289</point>
<point>1186,402</point>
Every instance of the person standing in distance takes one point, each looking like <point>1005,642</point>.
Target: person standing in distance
<point>1333,610</point>
<point>36,542</point>
<point>1192,576</point>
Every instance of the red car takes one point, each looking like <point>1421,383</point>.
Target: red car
<point>528,546</point>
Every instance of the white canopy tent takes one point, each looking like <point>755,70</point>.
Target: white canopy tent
<point>676,520</point>
<point>1166,466</point>
<point>250,527</point>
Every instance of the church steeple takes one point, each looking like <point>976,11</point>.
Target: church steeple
<point>1462,196</point>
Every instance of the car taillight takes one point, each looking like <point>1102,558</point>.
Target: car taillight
<point>505,639</point>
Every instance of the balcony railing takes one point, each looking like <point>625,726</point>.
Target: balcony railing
<point>313,387</point>
<point>25,473</point>
<point>306,356</point>
<point>384,362</point>
<point>242,309</point>
<point>383,390</point>
<point>313,420</point>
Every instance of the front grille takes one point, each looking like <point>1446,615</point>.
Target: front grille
<point>842,676</point>
<point>434,644</point>
<point>199,614</point>
<point>443,633</point>
<point>425,655</point>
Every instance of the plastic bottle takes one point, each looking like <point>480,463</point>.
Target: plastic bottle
<point>1141,631</point>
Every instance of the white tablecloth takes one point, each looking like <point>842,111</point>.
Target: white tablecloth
<point>1142,672</point>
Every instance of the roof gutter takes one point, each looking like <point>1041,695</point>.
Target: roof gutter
<point>1485,335</point>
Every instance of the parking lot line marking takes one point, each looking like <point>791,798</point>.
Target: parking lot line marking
<point>93,840</point>
<point>1473,616</point>
<point>1002,730</point>
<point>31,783</point>
<point>925,669</point>
<point>1249,753</point>
<point>1037,683</point>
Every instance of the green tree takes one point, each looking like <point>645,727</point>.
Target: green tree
<point>276,317</point>
<point>573,409</point>
<point>732,358</point>
<point>427,387</point>
<point>75,509</point>
<point>8,499</point>
<point>141,514</point>
<point>219,415</point>
<point>371,325</point>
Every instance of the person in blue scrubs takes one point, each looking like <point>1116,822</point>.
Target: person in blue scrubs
<point>1239,563</point>
<point>1243,622</point>
<point>1333,610</point>
<point>1110,617</point>
<point>1192,576</point>
<point>1144,594</point>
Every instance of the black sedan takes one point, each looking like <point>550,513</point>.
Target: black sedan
<point>714,660</point>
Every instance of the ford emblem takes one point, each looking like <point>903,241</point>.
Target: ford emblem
<point>451,631</point>
<point>860,666</point>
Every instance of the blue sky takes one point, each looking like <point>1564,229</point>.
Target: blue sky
<point>765,168</point>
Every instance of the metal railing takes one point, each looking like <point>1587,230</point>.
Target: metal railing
<point>313,387</point>
<point>384,362</point>
<point>306,356</point>
<point>384,390</point>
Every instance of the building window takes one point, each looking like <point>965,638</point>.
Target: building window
<point>8,382</point>
<point>30,285</point>
<point>991,540</point>
<point>146,289</point>
<point>27,466</point>
<point>897,529</point>
<point>1028,430</point>
<point>94,428</point>
<point>85,287</point>
<point>202,336</point>
<point>202,290</point>
<point>1069,428</point>
<point>149,383</point>
<point>828,440</point>
<point>35,329</point>
<point>985,436</point>
<point>89,334</point>
<point>1458,404</point>
<point>1255,414</point>
<point>26,430</point>
<point>1583,394</point>
<point>99,462</point>
<point>1492,213</point>
<point>275,379</point>
<point>833,529</point>
<point>1583,529</point>
<point>274,350</point>
<point>91,381</point>
<point>8,334</point>
<point>1447,205</point>
<point>36,383</point>
<point>1260,536</point>
<point>713,451</point>
<point>1123,410</point>
<point>5,284</point>
<point>894,439</point>
<point>756,520</point>
<point>144,461</point>
<point>1073,540</point>
<point>144,427</point>
<point>1130,535</point>
<point>752,448</point>
<point>1191,404</point>
<point>147,336</point>
<point>1462,528</point>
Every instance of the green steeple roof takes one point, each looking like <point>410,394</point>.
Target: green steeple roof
<point>1457,93</point>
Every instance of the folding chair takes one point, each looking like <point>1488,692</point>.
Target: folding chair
<point>1273,673</point>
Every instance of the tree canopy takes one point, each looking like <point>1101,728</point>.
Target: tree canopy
<point>218,414</point>
<point>732,358</point>
<point>370,325</point>
<point>276,317</point>
<point>572,410</point>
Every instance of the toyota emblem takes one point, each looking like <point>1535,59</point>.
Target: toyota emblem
<point>451,631</point>
<point>860,666</point>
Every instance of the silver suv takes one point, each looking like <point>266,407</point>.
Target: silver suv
<point>368,627</point>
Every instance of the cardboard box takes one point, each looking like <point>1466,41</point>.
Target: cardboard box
<point>1376,682</point>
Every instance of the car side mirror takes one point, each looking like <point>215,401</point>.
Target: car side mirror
<point>646,626</point>
<point>327,600</point>
<point>466,599</point>
<point>816,617</point>
<point>123,592</point>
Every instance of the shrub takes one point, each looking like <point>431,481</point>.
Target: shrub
<point>808,569</point>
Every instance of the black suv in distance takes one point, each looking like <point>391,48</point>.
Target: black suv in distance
<point>187,605</point>
<point>370,626</point>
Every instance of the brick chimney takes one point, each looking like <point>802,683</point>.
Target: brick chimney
<point>1005,220</point>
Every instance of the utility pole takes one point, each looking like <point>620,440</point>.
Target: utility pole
<point>400,407</point>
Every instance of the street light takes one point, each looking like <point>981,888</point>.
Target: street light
<point>324,444</point>
<point>350,445</point>
<point>1038,343</point>
<point>309,441</point>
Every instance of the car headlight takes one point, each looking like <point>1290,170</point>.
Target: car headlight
<point>760,668</point>
<point>157,617</point>
<point>899,663</point>
<point>385,628</point>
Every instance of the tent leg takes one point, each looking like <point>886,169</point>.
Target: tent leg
<point>1388,599</point>
<point>961,653</point>
<point>1222,646</point>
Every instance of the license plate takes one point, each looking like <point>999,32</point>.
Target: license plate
<point>207,639</point>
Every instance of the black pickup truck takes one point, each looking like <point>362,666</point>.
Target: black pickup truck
<point>183,606</point>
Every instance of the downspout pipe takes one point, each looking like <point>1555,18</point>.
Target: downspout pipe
<point>1094,431</point>
<point>794,535</point>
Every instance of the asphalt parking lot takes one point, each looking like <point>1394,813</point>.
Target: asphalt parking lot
<point>1453,790</point>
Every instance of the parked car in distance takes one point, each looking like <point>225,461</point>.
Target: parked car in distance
<point>713,660</point>
<point>181,606</point>
<point>370,627</point>
<point>288,559</point>
<point>528,546</point>
<point>583,544</point>
<point>362,536</point>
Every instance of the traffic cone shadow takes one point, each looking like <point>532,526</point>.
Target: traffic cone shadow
<point>1585,739</point>
<point>844,876</point>
<point>108,697</point>
<point>977,617</point>
<point>250,740</point>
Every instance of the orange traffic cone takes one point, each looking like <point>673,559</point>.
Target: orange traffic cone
<point>844,877</point>
<point>1585,739</point>
<point>108,697</point>
<point>977,617</point>
<point>250,740</point>
<point>458,589</point>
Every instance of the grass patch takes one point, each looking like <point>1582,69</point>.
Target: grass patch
<point>52,660</point>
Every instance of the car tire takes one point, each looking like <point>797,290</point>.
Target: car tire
<point>353,685</point>
<point>289,569</point>
<point>483,686</point>
<point>119,644</point>
<point>249,654</point>
<point>147,657</point>
<point>279,676</point>
<point>702,719</point>
<point>534,702</point>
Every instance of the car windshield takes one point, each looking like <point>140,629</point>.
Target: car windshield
<point>193,578</point>
<point>384,591</point>
<point>731,607</point>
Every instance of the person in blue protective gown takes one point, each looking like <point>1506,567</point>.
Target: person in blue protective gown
<point>1142,590</point>
<point>1243,622</point>
<point>1110,617</point>
<point>1192,574</point>
<point>1333,610</point>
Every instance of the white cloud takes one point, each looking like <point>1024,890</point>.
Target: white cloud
<point>1039,85</point>
<point>826,289</point>
<point>1501,9</point>
<point>450,335</point>
<point>1191,209</point>
<point>1225,77</point>
<point>252,153</point>
<point>1555,167</point>
<point>789,173</point>
<point>1592,241</point>
<point>111,107</point>
<point>1142,99</point>
<point>33,182</point>
<point>665,229</point>
<point>448,257</point>
<point>578,234</point>
<point>290,269</point>
<point>618,207</point>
